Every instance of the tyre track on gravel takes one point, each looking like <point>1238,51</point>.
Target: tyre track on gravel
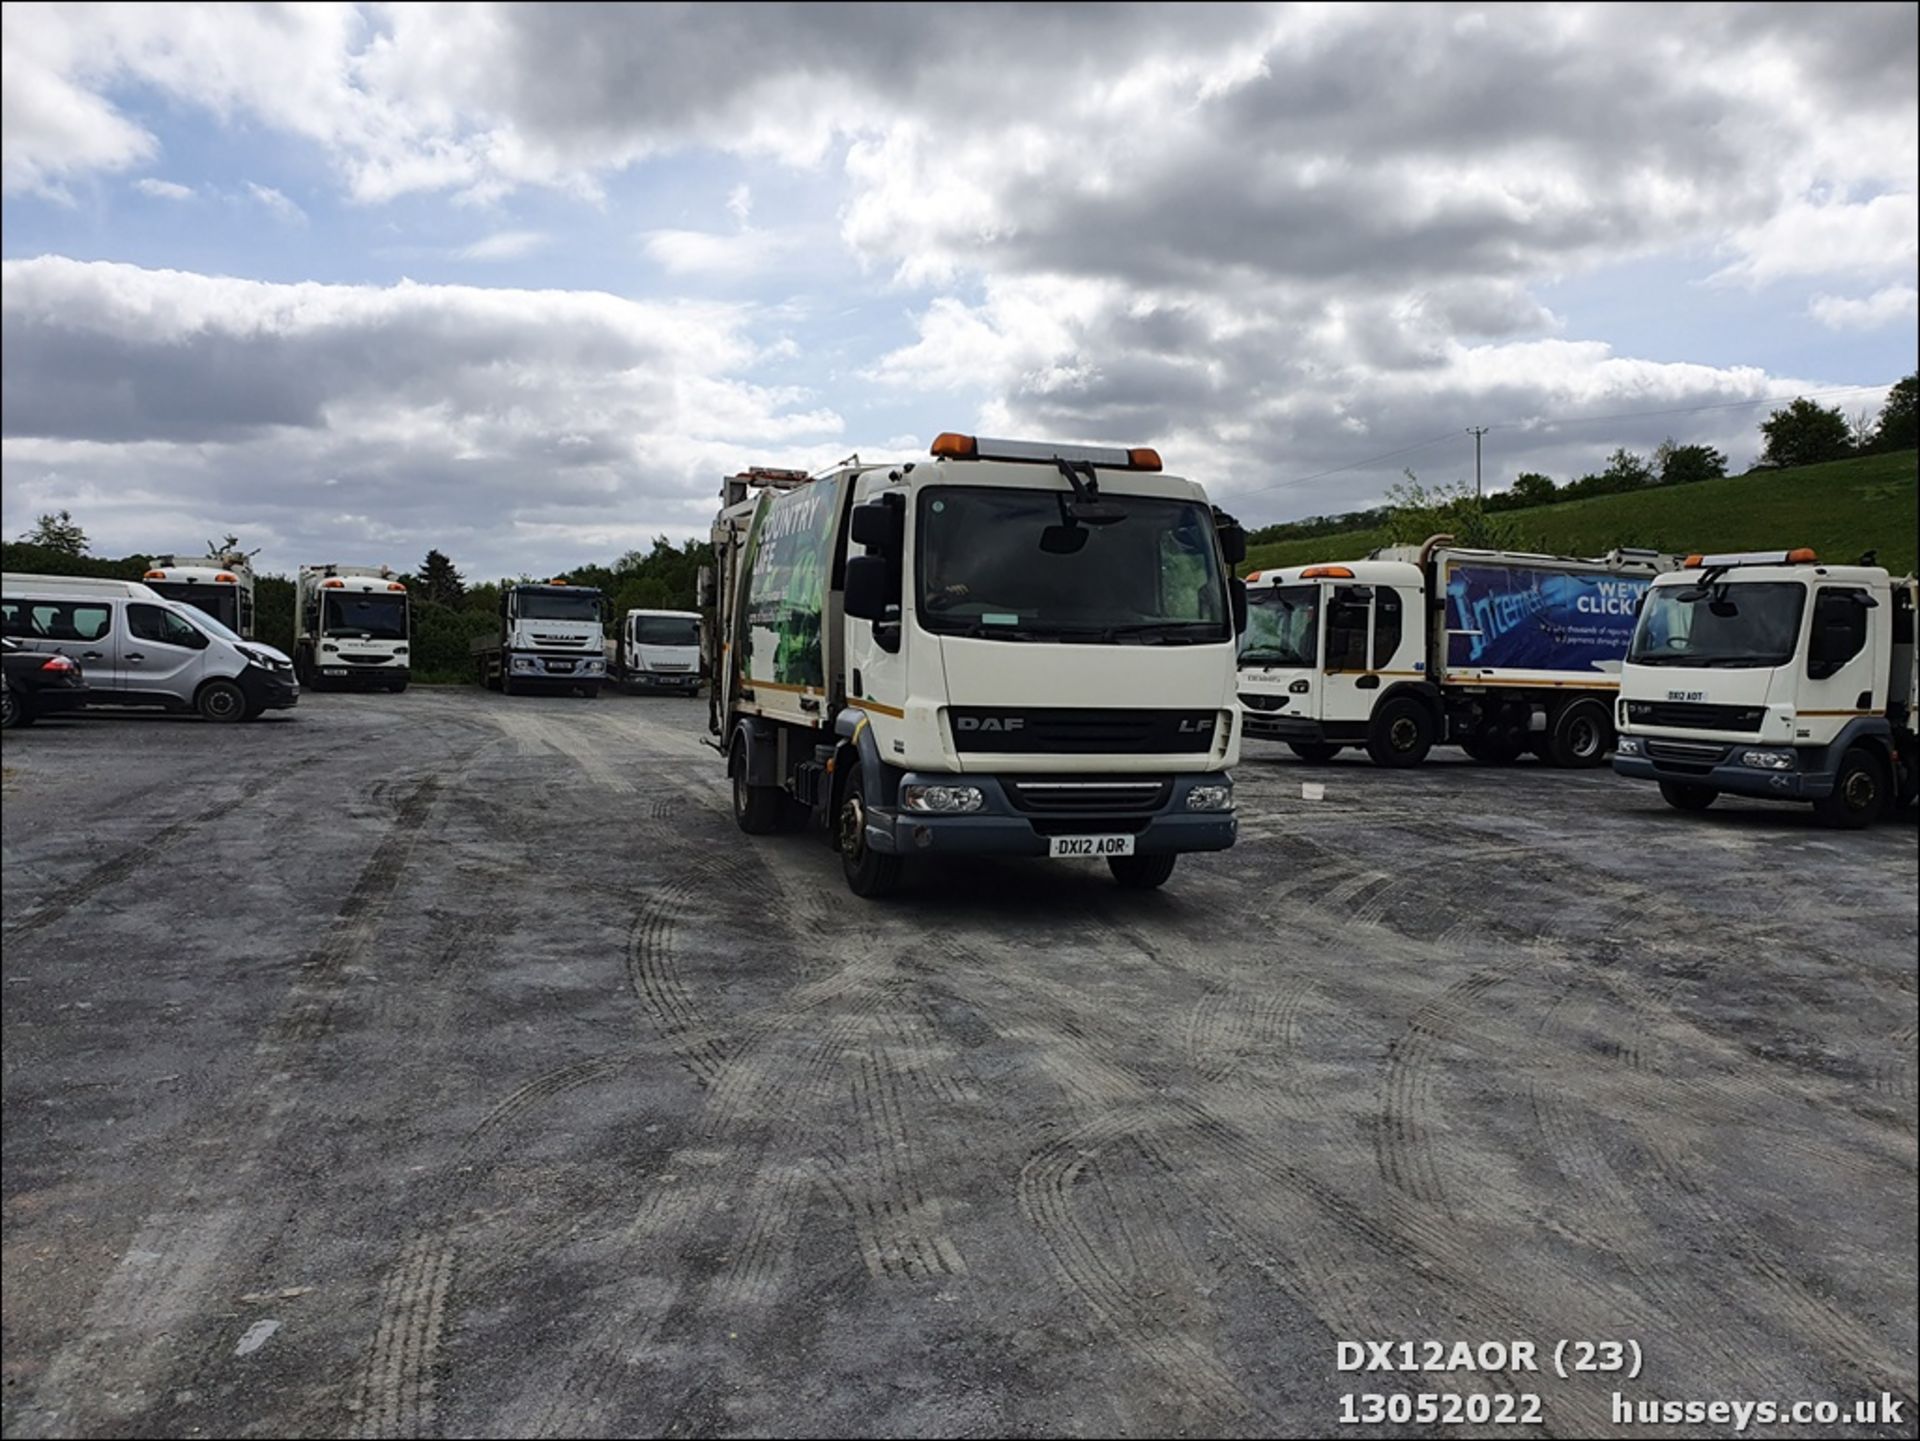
<point>152,1310</point>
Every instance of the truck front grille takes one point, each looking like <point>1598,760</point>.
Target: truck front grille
<point>1695,715</point>
<point>1698,757</point>
<point>1253,701</point>
<point>1087,797</point>
<point>1081,732</point>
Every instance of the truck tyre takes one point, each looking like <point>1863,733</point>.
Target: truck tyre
<point>1142,873</point>
<point>506,681</point>
<point>1492,748</point>
<point>1581,736</point>
<point>396,686</point>
<point>1685,797</point>
<point>221,700</point>
<point>1860,792</point>
<point>1401,733</point>
<point>756,809</point>
<point>870,874</point>
<point>1316,752</point>
<point>14,710</point>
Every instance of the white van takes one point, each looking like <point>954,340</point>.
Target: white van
<point>140,649</point>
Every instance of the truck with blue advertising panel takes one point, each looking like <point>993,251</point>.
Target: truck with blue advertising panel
<point>1770,674</point>
<point>551,636</point>
<point>1497,652</point>
<point>1016,648</point>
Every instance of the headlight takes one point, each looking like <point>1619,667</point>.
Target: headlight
<point>1300,687</point>
<point>1630,746</point>
<point>942,800</point>
<point>595,665</point>
<point>399,650</point>
<point>1210,798</point>
<point>525,662</point>
<point>1768,760</point>
<point>328,645</point>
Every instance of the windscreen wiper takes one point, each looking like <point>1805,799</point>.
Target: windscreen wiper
<point>1166,630</point>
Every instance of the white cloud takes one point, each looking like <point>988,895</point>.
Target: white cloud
<point>505,245</point>
<point>740,203</point>
<point>163,189</point>
<point>1893,305</point>
<point>284,210</point>
<point>1829,237</point>
<point>710,253</point>
<point>505,426</point>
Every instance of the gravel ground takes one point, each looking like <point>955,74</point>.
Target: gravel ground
<point>447,1063</point>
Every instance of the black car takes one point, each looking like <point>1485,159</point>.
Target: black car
<point>36,684</point>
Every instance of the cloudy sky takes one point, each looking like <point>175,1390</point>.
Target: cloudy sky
<point>523,282</point>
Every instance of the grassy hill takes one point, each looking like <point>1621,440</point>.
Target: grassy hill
<point>1840,509</point>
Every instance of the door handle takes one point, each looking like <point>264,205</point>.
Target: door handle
<point>93,655</point>
<point>136,655</point>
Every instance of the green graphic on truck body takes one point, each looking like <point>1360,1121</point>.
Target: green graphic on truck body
<point>789,558</point>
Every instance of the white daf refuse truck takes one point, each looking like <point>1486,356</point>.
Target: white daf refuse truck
<point>1497,652</point>
<point>1012,649</point>
<point>350,626</point>
<point>656,650</point>
<point>1770,674</point>
<point>221,584</point>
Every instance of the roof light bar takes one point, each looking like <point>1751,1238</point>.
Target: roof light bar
<point>1327,572</point>
<point>1802,556</point>
<point>951,445</point>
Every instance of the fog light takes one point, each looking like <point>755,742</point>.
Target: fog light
<point>942,800</point>
<point>1630,746</point>
<point>1768,760</point>
<point>1210,798</point>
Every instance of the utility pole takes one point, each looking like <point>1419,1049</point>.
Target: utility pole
<point>1476,431</point>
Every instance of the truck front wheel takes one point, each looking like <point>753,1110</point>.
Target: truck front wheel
<point>870,874</point>
<point>1401,733</point>
<point>1859,792</point>
<point>1684,797</point>
<point>1142,873</point>
<point>756,809</point>
<point>1582,735</point>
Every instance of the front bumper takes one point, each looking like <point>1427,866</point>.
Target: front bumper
<point>1716,765</point>
<point>665,680</point>
<point>269,689</point>
<point>379,675</point>
<point>1275,726</point>
<point>1003,827</point>
<point>557,669</point>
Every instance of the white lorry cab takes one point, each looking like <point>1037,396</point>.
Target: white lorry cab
<point>657,650</point>
<point>1769,674</point>
<point>351,627</point>
<point>140,649</point>
<point>550,636</point>
<point>1497,652</point>
<point>220,585</point>
<point>1014,649</point>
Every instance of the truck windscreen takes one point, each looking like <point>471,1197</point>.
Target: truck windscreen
<point>1283,624</point>
<point>1006,564</point>
<point>368,616</point>
<point>1753,624</point>
<point>545,605</point>
<point>666,630</point>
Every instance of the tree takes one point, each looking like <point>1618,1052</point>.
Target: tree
<point>1415,513</point>
<point>1626,471</point>
<point>1804,433</point>
<point>439,582</point>
<point>1684,464</point>
<point>58,533</point>
<point>1896,427</point>
<point>1532,488</point>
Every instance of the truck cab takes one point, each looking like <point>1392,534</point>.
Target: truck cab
<point>1770,674</point>
<point>657,650</point>
<point>1016,648</point>
<point>551,636</point>
<point>352,626</point>
<point>1323,645</point>
<point>220,585</point>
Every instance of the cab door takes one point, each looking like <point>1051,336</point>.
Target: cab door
<point>1845,670</point>
<point>1348,686</point>
<point>161,655</point>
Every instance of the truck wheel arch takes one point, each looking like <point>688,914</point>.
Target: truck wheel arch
<point>756,737</point>
<point>1425,691</point>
